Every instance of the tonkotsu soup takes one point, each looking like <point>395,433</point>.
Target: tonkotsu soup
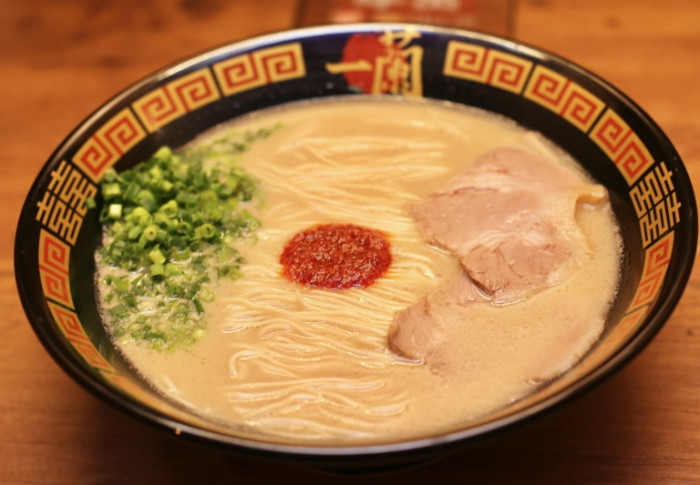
<point>503,262</point>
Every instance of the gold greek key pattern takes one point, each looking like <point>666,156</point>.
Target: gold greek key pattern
<point>175,99</point>
<point>108,144</point>
<point>71,186</point>
<point>71,328</point>
<point>622,146</point>
<point>564,97</point>
<point>54,259</point>
<point>62,206</point>
<point>59,217</point>
<point>259,68</point>
<point>656,261</point>
<point>655,202</point>
<point>487,66</point>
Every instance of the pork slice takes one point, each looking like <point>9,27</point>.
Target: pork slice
<point>513,267</point>
<point>517,167</point>
<point>464,291</point>
<point>417,332</point>
<point>509,218</point>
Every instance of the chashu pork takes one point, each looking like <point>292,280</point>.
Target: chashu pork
<point>417,331</point>
<point>510,220</point>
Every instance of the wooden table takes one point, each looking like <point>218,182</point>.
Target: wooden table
<point>60,60</point>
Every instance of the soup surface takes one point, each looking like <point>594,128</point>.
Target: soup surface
<point>291,363</point>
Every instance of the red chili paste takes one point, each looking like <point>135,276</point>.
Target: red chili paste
<point>336,256</point>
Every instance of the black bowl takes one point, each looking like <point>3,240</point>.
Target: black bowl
<point>611,136</point>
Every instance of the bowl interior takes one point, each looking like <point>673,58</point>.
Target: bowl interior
<point>606,132</point>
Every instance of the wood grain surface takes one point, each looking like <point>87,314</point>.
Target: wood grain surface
<point>59,60</point>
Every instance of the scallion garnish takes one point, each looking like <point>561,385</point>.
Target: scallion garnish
<point>168,223</point>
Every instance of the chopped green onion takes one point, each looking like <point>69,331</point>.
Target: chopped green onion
<point>150,232</point>
<point>141,216</point>
<point>115,211</point>
<point>168,225</point>
<point>157,269</point>
<point>131,191</point>
<point>170,208</point>
<point>205,231</point>
<point>172,270</point>
<point>112,190</point>
<point>157,256</point>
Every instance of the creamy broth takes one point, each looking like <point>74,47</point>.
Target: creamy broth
<point>312,366</point>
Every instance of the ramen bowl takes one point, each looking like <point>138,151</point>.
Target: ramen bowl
<point>606,132</point>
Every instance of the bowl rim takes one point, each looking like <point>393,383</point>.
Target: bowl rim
<point>52,343</point>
